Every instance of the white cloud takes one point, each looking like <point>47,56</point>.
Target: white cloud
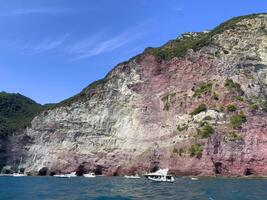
<point>47,45</point>
<point>94,46</point>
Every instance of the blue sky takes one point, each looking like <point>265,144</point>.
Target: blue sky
<point>52,49</point>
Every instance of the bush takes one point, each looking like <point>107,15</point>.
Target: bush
<point>264,106</point>
<point>233,136</point>
<point>195,150</point>
<point>215,96</point>
<point>199,109</point>
<point>206,130</point>
<point>231,108</point>
<point>239,98</point>
<point>233,87</point>
<point>203,88</point>
<point>254,106</point>
<point>165,101</point>
<point>237,120</point>
<point>183,127</point>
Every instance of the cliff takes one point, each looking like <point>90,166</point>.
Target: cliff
<point>197,105</point>
<point>16,112</point>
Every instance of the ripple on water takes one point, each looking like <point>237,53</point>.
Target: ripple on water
<point>119,188</point>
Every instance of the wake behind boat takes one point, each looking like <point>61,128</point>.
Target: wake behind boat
<point>73,174</point>
<point>160,176</point>
<point>132,176</point>
<point>89,175</point>
<point>6,175</point>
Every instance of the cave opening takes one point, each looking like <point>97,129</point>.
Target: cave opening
<point>98,170</point>
<point>248,172</point>
<point>43,171</point>
<point>80,171</point>
<point>52,173</point>
<point>218,167</point>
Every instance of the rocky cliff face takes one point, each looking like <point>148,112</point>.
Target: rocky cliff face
<point>16,112</point>
<point>197,105</point>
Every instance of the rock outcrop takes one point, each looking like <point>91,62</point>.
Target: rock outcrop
<point>197,105</point>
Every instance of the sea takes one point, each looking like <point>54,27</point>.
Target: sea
<point>120,188</point>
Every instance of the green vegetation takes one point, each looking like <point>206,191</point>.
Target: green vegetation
<point>178,47</point>
<point>16,111</point>
<point>199,109</point>
<point>237,120</point>
<point>195,150</point>
<point>165,101</point>
<point>231,108</point>
<point>215,96</point>
<point>233,87</point>
<point>203,88</point>
<point>254,106</point>
<point>233,136</point>
<point>264,106</point>
<point>256,103</point>
<point>206,130</point>
<point>183,127</point>
<point>239,98</point>
<point>179,151</point>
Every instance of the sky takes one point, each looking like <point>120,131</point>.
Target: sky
<point>51,49</point>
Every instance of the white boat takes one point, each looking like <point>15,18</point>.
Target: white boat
<point>132,177</point>
<point>89,175</point>
<point>194,178</point>
<point>160,176</point>
<point>73,174</point>
<point>18,175</point>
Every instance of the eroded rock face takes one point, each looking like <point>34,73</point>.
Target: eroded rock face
<point>141,117</point>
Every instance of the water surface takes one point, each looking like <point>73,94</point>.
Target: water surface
<point>119,188</point>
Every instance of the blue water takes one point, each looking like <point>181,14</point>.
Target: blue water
<point>51,188</point>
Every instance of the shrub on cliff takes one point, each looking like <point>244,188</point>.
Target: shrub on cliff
<point>237,120</point>
<point>182,127</point>
<point>203,88</point>
<point>233,136</point>
<point>165,101</point>
<point>215,96</point>
<point>205,131</point>
<point>195,150</point>
<point>199,109</point>
<point>231,107</point>
<point>233,87</point>
<point>264,106</point>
